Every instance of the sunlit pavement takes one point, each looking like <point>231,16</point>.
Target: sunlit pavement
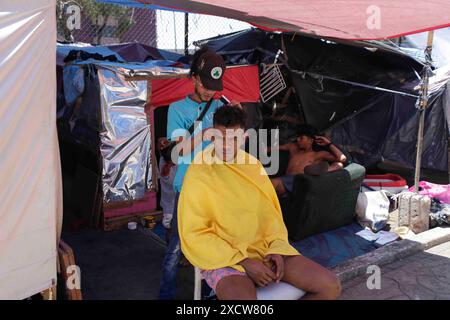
<point>423,276</point>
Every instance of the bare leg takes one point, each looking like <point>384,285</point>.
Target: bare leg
<point>318,282</point>
<point>236,287</point>
<point>279,186</point>
<point>335,166</point>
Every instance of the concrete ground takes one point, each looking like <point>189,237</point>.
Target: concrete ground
<point>422,276</point>
<point>123,264</point>
<point>126,264</point>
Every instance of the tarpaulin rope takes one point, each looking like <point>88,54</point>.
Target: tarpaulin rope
<point>316,75</point>
<point>302,73</point>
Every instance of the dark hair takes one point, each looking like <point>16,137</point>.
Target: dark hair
<point>307,130</point>
<point>229,116</point>
<point>196,56</point>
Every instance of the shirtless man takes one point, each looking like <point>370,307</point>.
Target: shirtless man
<point>303,159</point>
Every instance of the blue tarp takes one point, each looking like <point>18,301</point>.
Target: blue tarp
<point>121,53</point>
<point>166,65</point>
<point>245,46</point>
<point>237,42</point>
<point>336,246</point>
<point>64,49</point>
<point>328,248</point>
<point>136,4</point>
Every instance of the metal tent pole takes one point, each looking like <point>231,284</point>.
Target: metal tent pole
<point>423,103</point>
<point>186,33</point>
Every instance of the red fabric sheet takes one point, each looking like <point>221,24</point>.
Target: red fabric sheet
<point>327,18</point>
<point>148,203</point>
<point>239,83</point>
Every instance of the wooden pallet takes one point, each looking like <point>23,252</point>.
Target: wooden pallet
<point>66,260</point>
<point>116,223</point>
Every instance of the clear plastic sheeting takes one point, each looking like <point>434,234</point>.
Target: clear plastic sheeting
<point>125,139</point>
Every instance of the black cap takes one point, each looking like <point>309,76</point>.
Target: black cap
<point>210,69</point>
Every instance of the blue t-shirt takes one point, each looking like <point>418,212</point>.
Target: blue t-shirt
<point>182,115</point>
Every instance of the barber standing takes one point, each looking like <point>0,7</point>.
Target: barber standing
<point>207,69</point>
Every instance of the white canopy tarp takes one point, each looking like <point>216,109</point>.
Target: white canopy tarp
<point>30,175</point>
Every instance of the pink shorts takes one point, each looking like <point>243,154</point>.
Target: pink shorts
<point>212,277</point>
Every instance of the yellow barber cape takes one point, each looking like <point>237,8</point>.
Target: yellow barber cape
<point>228,212</point>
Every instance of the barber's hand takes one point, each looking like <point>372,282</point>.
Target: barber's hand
<point>163,143</point>
<point>234,103</point>
<point>258,272</point>
<point>278,262</point>
<point>322,141</point>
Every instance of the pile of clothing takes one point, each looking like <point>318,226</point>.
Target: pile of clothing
<point>439,213</point>
<point>440,202</point>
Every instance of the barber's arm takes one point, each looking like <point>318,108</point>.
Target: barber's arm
<point>186,145</point>
<point>234,103</point>
<point>175,123</point>
<point>176,132</point>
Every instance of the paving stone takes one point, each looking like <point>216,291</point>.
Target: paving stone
<point>422,276</point>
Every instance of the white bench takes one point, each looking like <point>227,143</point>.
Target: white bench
<point>273,291</point>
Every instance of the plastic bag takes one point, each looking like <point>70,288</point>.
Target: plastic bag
<point>372,209</point>
<point>438,191</point>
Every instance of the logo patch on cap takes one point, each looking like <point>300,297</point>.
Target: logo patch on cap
<point>216,72</point>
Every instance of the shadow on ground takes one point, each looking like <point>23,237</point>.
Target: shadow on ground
<point>123,264</point>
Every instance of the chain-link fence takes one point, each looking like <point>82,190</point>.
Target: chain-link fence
<point>97,23</point>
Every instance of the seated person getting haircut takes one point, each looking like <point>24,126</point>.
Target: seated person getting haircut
<point>304,159</point>
<point>230,222</point>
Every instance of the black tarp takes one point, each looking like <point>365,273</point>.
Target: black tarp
<point>317,66</point>
<point>340,87</point>
<point>123,52</point>
<point>389,131</point>
<point>250,46</point>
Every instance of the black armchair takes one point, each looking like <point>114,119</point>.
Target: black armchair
<point>321,203</point>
